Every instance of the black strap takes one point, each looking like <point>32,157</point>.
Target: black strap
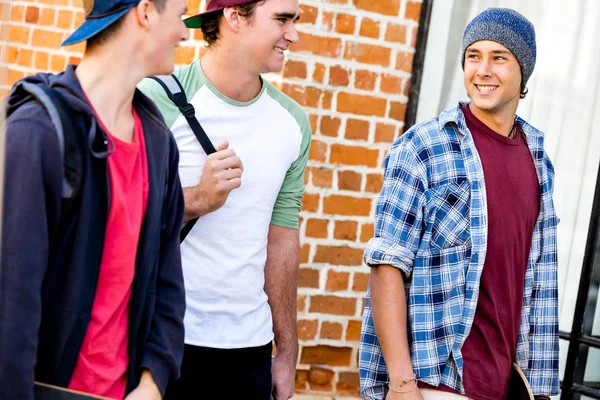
<point>176,94</point>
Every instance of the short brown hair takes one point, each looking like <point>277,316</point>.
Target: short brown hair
<point>209,24</point>
<point>112,29</point>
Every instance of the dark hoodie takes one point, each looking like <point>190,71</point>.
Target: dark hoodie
<point>50,267</point>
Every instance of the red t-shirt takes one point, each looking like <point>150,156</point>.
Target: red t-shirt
<point>513,204</point>
<point>103,358</point>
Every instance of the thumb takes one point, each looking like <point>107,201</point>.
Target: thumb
<point>222,146</point>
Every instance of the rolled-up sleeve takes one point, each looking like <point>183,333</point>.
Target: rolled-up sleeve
<point>399,209</point>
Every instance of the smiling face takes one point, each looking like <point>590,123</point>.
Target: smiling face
<point>268,33</point>
<point>492,77</point>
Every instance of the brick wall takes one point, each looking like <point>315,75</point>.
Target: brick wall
<point>351,72</point>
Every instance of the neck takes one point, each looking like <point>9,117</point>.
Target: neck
<point>219,65</point>
<point>109,76</point>
<point>501,122</point>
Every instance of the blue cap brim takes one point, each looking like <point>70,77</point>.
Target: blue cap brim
<point>92,27</point>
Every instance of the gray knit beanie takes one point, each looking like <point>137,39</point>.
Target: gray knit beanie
<point>510,29</point>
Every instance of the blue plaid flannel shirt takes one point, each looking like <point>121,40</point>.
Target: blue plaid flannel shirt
<point>431,222</point>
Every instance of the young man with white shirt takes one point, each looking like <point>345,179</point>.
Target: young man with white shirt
<point>241,258</point>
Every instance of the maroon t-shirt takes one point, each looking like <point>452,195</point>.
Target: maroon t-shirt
<point>513,203</point>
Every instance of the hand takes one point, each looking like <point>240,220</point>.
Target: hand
<point>414,394</point>
<point>146,390</point>
<point>283,373</point>
<point>221,174</point>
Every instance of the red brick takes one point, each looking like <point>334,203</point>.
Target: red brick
<point>301,381</point>
<point>337,281</point>
<point>316,228</point>
<point>366,232</point>
<point>184,55</point>
<point>308,278</point>
<point>374,183</point>
<point>41,60</point>
<point>387,7</point>
<point>12,54</point>
<point>391,84</point>
<point>367,53</point>
<point>318,150</point>
<point>25,58</point>
<point>57,63</point>
<point>308,14</point>
<point>384,132</point>
<point>328,355</point>
<point>413,11</point>
<point>321,177</point>
<point>413,40</point>
<point>18,34</point>
<point>357,129</point>
<point>307,330</point>
<point>346,205</point>
<point>353,331</point>
<point>295,69</point>
<point>361,104</point>
<point>47,17</point>
<point>395,33</point>
<point>397,111</point>
<point>327,21</point>
<point>345,230</point>
<point>320,379</point>
<point>301,303</point>
<point>349,180</point>
<point>360,282</point>
<point>404,61</point>
<point>345,23</point>
<point>353,155</point>
<point>369,28</point>
<point>310,201</point>
<point>406,87</point>
<point>365,80</point>
<point>14,76</point>
<point>32,15</point>
<point>348,384</point>
<point>65,19</point>
<point>319,73</point>
<point>307,96</point>
<point>46,38</point>
<point>338,255</point>
<point>331,330</point>
<point>338,76</point>
<point>304,253</point>
<point>333,305</point>
<point>330,126</point>
<point>327,96</point>
<point>16,13</point>
<point>313,118</point>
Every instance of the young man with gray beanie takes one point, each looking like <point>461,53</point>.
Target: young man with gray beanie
<point>464,281</point>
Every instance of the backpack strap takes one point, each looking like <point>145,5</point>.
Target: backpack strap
<point>66,124</point>
<point>176,94</point>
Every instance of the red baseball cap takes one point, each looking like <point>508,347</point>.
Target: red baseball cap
<point>212,6</point>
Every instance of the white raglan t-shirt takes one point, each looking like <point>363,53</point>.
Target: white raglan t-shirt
<point>224,255</point>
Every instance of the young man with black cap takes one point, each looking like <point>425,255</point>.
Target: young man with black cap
<point>240,260</point>
<point>91,295</point>
<point>464,258</point>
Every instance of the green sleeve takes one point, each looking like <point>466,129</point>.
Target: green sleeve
<point>289,200</point>
<point>189,78</point>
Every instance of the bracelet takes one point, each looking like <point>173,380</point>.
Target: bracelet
<point>404,382</point>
